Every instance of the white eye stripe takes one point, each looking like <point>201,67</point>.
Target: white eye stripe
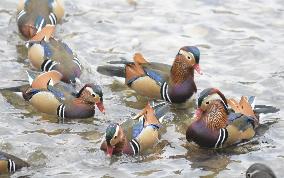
<point>186,53</point>
<point>116,131</point>
<point>215,96</point>
<point>91,91</point>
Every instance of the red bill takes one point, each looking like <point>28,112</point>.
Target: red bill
<point>197,68</point>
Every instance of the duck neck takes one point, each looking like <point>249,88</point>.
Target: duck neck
<point>121,144</point>
<point>84,98</point>
<point>181,70</point>
<point>215,116</point>
<point>81,100</point>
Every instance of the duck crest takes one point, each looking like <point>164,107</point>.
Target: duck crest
<point>181,70</point>
<point>216,116</point>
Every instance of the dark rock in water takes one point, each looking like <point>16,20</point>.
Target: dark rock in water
<point>258,170</point>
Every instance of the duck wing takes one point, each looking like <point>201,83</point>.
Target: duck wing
<point>157,71</point>
<point>63,92</point>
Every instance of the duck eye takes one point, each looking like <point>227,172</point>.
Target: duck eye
<point>207,102</point>
<point>93,95</point>
<point>188,57</point>
<point>115,137</point>
<point>248,175</point>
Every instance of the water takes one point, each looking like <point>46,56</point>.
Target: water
<point>241,47</point>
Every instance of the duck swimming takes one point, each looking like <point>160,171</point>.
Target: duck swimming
<point>49,95</point>
<point>173,84</point>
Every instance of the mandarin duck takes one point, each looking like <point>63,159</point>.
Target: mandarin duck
<point>33,15</point>
<point>258,170</point>
<point>49,95</point>
<point>46,54</point>
<point>173,84</point>
<point>10,164</point>
<point>144,132</point>
<point>216,126</point>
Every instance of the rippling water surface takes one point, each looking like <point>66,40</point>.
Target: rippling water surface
<point>241,47</point>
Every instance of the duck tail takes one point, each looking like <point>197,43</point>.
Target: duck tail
<point>110,70</point>
<point>16,89</point>
<point>123,60</point>
<point>261,109</point>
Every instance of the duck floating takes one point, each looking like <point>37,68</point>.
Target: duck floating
<point>33,15</point>
<point>215,126</point>
<point>46,53</point>
<point>10,164</point>
<point>173,84</point>
<point>51,96</point>
<point>144,132</point>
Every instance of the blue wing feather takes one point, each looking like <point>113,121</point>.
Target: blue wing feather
<point>47,50</point>
<point>242,122</point>
<point>155,76</point>
<point>233,116</point>
<point>137,128</point>
<point>55,92</point>
<point>68,49</point>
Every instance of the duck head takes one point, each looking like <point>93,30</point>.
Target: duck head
<point>192,55</point>
<point>186,61</point>
<point>29,25</point>
<point>92,94</point>
<point>211,100</point>
<point>115,138</point>
<point>33,15</point>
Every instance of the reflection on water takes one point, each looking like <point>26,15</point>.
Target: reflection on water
<point>241,53</point>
